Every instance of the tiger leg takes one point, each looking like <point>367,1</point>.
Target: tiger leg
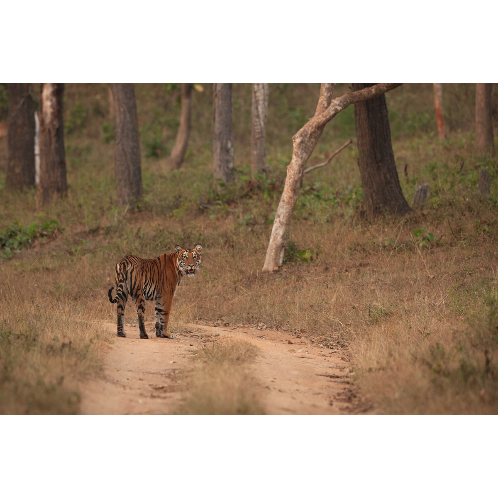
<point>163,307</point>
<point>122,302</point>
<point>158,312</point>
<point>141,308</point>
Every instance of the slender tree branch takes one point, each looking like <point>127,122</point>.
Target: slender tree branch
<point>325,163</point>
<point>304,142</point>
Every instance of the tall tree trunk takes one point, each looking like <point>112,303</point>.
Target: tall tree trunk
<point>379,176</point>
<point>484,127</point>
<point>304,142</point>
<point>53,182</point>
<point>260,98</point>
<point>127,148</point>
<point>21,137</point>
<point>223,133</point>
<point>438,106</point>
<point>181,141</point>
<point>37,149</point>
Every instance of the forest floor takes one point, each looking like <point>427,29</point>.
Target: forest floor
<point>151,376</point>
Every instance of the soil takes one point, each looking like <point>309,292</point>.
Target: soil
<point>148,376</point>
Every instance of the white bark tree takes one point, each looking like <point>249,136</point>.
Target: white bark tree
<point>181,141</point>
<point>223,134</point>
<point>304,142</point>
<point>53,182</point>
<point>260,99</point>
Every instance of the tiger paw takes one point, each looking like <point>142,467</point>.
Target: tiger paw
<point>144,336</point>
<point>120,334</point>
<point>167,336</point>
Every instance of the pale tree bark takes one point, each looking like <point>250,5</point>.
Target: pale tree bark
<point>181,141</point>
<point>439,108</point>
<point>304,142</point>
<point>260,99</point>
<point>127,147</point>
<point>484,127</point>
<point>20,137</point>
<point>223,134</point>
<point>379,176</point>
<point>53,183</point>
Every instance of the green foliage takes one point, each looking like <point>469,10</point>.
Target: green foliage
<point>247,220</point>
<point>424,238</point>
<point>77,120</point>
<point>16,237</point>
<point>107,133</point>
<point>154,147</point>
<point>172,87</point>
<point>294,254</point>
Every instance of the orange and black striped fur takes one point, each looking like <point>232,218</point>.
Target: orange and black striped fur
<point>152,279</point>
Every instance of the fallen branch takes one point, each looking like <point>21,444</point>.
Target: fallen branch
<point>325,163</point>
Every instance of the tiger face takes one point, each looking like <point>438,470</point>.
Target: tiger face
<point>188,261</point>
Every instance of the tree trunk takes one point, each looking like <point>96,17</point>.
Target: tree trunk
<point>484,183</point>
<point>127,148</point>
<point>304,142</point>
<point>420,197</point>
<point>21,137</point>
<point>438,106</point>
<point>260,98</point>
<point>484,128</point>
<point>379,176</point>
<point>37,149</point>
<point>52,155</point>
<point>223,134</point>
<point>181,141</point>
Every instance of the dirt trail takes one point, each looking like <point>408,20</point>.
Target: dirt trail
<point>146,376</point>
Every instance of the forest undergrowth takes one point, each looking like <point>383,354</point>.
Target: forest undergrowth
<point>412,300</point>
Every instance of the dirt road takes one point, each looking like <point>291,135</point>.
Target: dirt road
<point>148,376</point>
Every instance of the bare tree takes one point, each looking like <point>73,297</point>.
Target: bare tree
<point>181,141</point>
<point>223,133</point>
<point>304,142</point>
<point>379,176</point>
<point>127,147</point>
<point>53,182</point>
<point>21,137</point>
<point>260,98</point>
<point>439,108</point>
<point>484,127</point>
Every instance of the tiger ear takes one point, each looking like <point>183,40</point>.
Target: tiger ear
<point>177,248</point>
<point>198,248</point>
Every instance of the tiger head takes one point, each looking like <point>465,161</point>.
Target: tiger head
<point>188,261</point>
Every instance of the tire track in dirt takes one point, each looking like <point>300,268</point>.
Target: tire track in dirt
<point>147,376</point>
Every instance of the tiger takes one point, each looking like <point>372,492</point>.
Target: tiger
<point>152,279</point>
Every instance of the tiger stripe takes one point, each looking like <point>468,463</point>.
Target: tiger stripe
<point>152,279</point>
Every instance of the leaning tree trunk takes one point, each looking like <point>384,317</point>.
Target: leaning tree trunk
<point>304,142</point>
<point>181,142</point>
<point>260,98</point>
<point>223,133</point>
<point>438,106</point>
<point>484,128</point>
<point>379,176</point>
<point>127,148</point>
<point>21,137</point>
<point>53,182</point>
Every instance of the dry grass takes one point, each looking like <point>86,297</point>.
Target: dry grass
<point>418,344</point>
<point>48,344</point>
<point>222,383</point>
